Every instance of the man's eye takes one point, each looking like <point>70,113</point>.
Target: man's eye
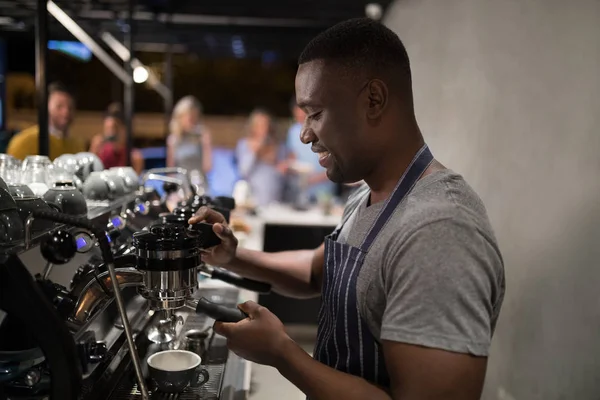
<point>315,116</point>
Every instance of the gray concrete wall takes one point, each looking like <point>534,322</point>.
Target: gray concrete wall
<point>508,94</point>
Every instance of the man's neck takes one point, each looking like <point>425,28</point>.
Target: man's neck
<point>390,169</point>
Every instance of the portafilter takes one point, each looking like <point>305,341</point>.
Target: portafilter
<point>169,256</point>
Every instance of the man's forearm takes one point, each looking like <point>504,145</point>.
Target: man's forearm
<point>320,382</point>
<point>289,272</point>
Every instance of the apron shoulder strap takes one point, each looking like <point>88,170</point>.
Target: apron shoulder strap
<point>419,164</point>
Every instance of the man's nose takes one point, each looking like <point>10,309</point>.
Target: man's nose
<point>307,135</point>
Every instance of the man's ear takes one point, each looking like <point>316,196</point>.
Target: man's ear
<point>377,97</point>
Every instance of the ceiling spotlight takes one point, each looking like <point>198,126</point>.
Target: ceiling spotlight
<point>140,74</point>
<point>373,11</point>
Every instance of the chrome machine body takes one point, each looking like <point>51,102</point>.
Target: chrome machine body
<point>65,331</point>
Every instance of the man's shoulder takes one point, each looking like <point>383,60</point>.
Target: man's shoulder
<point>24,143</point>
<point>27,133</point>
<point>442,202</point>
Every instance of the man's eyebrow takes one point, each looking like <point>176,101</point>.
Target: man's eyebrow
<point>308,104</point>
<point>302,104</point>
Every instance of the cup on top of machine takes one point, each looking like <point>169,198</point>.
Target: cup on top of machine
<point>175,370</point>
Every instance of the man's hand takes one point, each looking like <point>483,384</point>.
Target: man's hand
<point>224,253</point>
<point>259,338</point>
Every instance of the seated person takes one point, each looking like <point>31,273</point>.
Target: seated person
<point>111,145</point>
<point>61,108</point>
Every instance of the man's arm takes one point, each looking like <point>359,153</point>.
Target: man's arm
<point>262,339</point>
<point>416,373</point>
<point>291,273</point>
<point>296,273</point>
<point>419,373</point>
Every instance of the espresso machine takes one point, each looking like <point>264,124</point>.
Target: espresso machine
<point>134,289</point>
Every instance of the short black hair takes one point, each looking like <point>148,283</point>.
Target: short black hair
<point>362,44</point>
<point>58,87</point>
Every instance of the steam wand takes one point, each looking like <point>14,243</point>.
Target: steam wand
<point>109,262</point>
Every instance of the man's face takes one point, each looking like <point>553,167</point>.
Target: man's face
<point>60,110</point>
<point>336,123</point>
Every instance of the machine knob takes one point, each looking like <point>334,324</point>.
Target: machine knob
<point>97,352</point>
<point>59,248</point>
<point>90,351</point>
<point>142,208</point>
<point>58,295</point>
<point>170,187</point>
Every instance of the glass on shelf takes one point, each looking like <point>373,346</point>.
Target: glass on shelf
<point>35,173</point>
<point>9,169</point>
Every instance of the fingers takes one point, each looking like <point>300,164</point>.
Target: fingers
<point>222,231</point>
<point>251,308</point>
<point>223,328</point>
<point>205,214</point>
<point>228,328</point>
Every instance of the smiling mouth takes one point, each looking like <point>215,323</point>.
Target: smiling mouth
<point>324,157</point>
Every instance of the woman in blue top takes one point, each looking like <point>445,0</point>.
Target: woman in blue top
<point>260,158</point>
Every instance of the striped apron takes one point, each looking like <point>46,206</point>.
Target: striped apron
<point>344,341</point>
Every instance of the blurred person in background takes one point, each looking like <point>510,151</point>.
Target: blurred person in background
<point>61,109</point>
<point>317,184</point>
<point>260,158</point>
<point>111,145</point>
<point>189,143</point>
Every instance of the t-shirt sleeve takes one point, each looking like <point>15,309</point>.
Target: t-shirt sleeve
<point>440,284</point>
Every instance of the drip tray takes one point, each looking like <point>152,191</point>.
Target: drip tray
<point>209,391</point>
<point>214,357</point>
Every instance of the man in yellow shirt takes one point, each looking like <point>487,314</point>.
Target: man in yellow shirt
<point>61,109</point>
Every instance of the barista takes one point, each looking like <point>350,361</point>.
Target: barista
<point>412,280</point>
<point>61,108</point>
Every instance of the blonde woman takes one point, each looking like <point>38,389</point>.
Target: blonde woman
<point>189,143</point>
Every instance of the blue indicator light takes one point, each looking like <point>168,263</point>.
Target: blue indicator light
<point>81,243</point>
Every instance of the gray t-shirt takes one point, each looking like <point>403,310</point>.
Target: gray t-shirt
<point>434,275</point>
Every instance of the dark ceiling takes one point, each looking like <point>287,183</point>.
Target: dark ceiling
<point>277,29</point>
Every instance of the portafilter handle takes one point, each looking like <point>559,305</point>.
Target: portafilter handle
<point>236,280</point>
<point>216,311</point>
<point>208,238</point>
